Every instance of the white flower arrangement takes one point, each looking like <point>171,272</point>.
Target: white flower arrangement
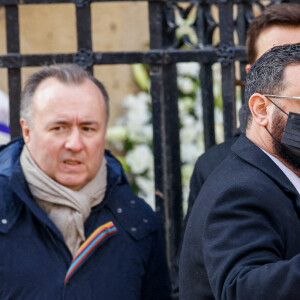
<point>132,133</point>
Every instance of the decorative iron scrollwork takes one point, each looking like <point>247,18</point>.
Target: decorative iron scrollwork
<point>81,3</point>
<point>225,54</point>
<point>181,25</point>
<point>84,58</point>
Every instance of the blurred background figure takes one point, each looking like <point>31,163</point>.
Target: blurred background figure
<point>4,118</point>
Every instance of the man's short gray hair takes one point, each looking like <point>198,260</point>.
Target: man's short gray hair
<point>65,73</point>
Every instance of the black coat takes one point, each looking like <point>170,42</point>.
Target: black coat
<point>205,165</point>
<point>242,239</point>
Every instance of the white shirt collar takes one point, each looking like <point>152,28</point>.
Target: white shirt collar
<point>294,179</point>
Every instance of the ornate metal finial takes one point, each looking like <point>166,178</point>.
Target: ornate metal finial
<point>84,58</point>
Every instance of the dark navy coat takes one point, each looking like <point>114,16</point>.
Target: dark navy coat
<point>124,258</point>
<point>242,239</point>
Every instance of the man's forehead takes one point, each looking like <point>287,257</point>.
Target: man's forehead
<point>292,73</point>
<point>276,35</point>
<point>290,83</point>
<point>55,99</point>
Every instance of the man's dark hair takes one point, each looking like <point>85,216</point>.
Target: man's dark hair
<point>284,14</point>
<point>266,75</point>
<point>65,73</point>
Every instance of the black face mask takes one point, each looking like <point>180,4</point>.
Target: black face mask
<point>290,140</point>
<point>291,134</point>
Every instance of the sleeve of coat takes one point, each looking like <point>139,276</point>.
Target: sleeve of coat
<point>196,183</point>
<point>247,244</point>
<point>205,165</point>
<point>156,280</point>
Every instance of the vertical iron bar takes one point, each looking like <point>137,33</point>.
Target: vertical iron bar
<point>166,136</point>
<point>157,93</point>
<point>84,31</point>
<point>173,189</point>
<point>228,70</point>
<point>206,78</point>
<point>14,74</point>
<point>157,113</point>
<point>242,24</point>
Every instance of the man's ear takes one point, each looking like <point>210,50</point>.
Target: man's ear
<point>260,109</point>
<point>25,130</point>
<point>248,66</point>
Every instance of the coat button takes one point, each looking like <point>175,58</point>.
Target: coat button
<point>4,221</point>
<point>132,201</point>
<point>119,210</point>
<point>133,229</point>
<point>145,220</point>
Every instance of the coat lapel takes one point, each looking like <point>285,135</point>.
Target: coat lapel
<point>252,154</point>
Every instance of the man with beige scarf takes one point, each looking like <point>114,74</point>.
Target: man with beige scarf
<point>70,227</point>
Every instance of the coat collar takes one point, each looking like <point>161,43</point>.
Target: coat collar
<point>252,154</point>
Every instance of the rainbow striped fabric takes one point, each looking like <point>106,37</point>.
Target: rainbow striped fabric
<point>89,245</point>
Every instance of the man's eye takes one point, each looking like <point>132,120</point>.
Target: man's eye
<point>88,129</point>
<point>57,128</point>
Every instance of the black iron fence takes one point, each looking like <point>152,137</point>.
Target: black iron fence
<point>231,18</point>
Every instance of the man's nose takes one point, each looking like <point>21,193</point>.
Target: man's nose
<point>74,141</point>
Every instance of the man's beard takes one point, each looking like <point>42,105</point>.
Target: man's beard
<point>277,128</point>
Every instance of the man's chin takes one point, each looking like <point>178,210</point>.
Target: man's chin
<point>288,157</point>
<point>279,149</point>
<point>73,184</point>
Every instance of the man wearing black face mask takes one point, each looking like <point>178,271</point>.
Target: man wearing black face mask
<point>243,236</point>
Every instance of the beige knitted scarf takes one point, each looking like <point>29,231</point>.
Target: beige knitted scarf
<point>68,209</point>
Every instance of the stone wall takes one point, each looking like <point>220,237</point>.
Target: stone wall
<point>51,28</point>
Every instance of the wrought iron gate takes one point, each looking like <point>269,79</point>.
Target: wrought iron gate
<point>233,17</point>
